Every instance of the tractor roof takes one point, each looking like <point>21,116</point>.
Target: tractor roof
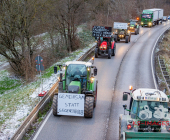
<point>147,94</point>
<point>133,20</point>
<point>88,64</point>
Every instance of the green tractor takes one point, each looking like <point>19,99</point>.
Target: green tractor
<point>133,26</point>
<point>78,81</point>
<point>122,34</point>
<point>148,117</point>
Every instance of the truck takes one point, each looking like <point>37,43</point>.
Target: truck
<point>106,45</point>
<point>77,90</point>
<point>148,116</point>
<point>121,32</point>
<point>151,17</point>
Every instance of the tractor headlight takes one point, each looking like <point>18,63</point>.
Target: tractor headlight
<point>128,31</point>
<point>141,22</point>
<point>92,79</point>
<point>88,69</point>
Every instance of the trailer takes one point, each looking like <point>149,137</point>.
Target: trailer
<point>151,17</point>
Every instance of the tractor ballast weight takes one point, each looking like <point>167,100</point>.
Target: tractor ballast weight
<point>105,46</point>
<point>148,116</point>
<point>78,80</point>
<point>121,32</point>
<point>133,26</point>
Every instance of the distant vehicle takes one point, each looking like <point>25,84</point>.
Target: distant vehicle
<point>164,18</point>
<point>121,32</point>
<point>133,26</point>
<point>168,17</point>
<point>151,17</point>
<point>106,46</point>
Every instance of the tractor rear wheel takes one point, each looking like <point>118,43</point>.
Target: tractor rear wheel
<point>109,54</point>
<point>55,104</point>
<point>114,50</point>
<point>96,53</point>
<point>88,107</point>
<point>136,31</point>
<point>95,97</point>
<point>115,38</point>
<point>127,39</point>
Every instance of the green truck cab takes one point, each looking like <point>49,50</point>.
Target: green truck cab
<point>78,79</point>
<point>151,17</point>
<point>148,116</point>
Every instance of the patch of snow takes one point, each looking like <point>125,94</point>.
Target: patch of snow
<point>11,125</point>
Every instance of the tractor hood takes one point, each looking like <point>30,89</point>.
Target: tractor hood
<point>74,87</point>
<point>103,45</point>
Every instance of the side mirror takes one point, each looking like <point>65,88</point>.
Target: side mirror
<point>95,71</point>
<point>125,97</point>
<point>55,69</point>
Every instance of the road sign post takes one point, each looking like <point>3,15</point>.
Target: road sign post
<point>40,67</point>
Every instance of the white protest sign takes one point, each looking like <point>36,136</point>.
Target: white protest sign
<point>70,104</point>
<point>119,25</point>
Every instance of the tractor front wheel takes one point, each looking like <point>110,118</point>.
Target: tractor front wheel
<point>88,107</point>
<point>96,53</point>
<point>127,39</point>
<point>55,105</point>
<point>109,54</point>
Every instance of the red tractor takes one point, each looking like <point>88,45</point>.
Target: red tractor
<point>105,46</point>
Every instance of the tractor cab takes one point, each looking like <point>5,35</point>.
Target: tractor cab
<point>76,75</point>
<point>148,115</point>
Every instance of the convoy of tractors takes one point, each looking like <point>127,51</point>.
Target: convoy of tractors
<point>77,88</point>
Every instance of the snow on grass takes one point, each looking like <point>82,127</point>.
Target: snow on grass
<point>17,104</point>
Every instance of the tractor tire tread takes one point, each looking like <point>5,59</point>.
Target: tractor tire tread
<point>88,107</point>
<point>55,105</point>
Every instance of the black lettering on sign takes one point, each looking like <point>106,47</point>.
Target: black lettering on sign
<point>101,31</point>
<point>75,111</point>
<point>75,97</point>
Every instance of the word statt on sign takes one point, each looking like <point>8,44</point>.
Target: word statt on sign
<point>101,31</point>
<point>70,104</point>
<point>119,25</point>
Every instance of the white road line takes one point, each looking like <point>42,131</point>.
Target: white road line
<point>154,79</point>
<point>41,127</point>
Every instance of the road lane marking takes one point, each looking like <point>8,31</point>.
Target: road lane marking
<point>41,127</point>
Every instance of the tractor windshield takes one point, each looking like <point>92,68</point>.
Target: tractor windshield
<point>149,110</point>
<point>146,16</point>
<point>76,72</point>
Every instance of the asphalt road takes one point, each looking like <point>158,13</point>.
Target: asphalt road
<point>130,66</point>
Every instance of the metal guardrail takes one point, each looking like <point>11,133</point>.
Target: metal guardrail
<point>46,99</point>
<point>164,73</point>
